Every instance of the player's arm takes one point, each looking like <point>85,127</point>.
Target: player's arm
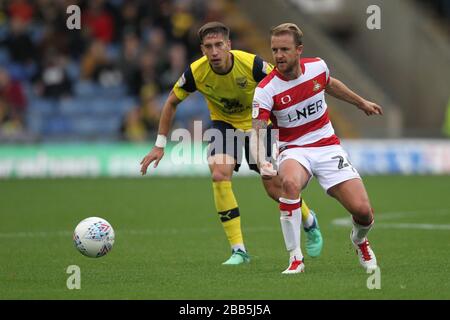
<point>340,91</point>
<point>260,119</point>
<point>165,123</point>
<point>181,90</point>
<point>258,147</point>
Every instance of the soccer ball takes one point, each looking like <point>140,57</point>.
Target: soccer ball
<point>94,237</point>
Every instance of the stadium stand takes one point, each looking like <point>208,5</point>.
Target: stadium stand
<point>92,84</point>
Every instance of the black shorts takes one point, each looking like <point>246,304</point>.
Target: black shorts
<point>233,143</point>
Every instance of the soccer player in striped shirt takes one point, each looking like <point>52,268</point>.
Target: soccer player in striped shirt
<point>227,79</point>
<point>292,96</point>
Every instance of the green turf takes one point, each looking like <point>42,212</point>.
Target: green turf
<point>170,244</point>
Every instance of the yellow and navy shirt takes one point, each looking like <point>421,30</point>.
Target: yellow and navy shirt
<point>229,96</point>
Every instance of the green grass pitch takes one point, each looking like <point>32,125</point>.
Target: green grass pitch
<point>170,244</point>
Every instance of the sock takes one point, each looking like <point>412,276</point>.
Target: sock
<point>295,254</point>
<point>359,232</point>
<point>307,217</point>
<point>227,207</point>
<point>291,221</point>
<point>237,247</point>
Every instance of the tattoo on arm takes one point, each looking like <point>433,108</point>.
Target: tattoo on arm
<point>258,140</point>
<point>259,124</point>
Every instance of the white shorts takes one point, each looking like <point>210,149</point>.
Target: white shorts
<point>329,164</point>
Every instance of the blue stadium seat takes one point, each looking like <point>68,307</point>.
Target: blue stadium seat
<point>39,110</point>
<point>96,126</point>
<point>73,71</point>
<point>123,105</point>
<point>42,107</point>
<point>113,51</point>
<point>72,107</point>
<point>4,31</point>
<point>101,106</point>
<point>84,126</point>
<point>4,56</point>
<point>57,126</point>
<point>85,89</point>
<point>35,123</point>
<point>109,126</point>
<point>20,72</point>
<point>37,32</point>
<point>112,92</point>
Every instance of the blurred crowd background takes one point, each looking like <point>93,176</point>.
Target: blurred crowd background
<point>107,81</point>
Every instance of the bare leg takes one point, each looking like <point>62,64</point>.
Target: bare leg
<point>353,196</point>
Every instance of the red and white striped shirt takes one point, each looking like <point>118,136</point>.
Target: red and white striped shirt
<point>297,107</point>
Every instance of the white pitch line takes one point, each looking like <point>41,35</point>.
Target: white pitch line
<point>341,222</point>
<point>346,222</point>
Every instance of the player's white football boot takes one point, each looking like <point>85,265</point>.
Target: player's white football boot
<point>365,254</point>
<point>295,266</point>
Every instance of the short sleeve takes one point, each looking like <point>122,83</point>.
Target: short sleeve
<point>262,104</point>
<point>261,69</point>
<point>327,71</point>
<point>185,85</point>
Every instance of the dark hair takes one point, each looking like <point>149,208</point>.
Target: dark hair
<point>213,27</point>
<point>288,28</point>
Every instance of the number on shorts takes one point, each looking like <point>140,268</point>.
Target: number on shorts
<point>342,164</point>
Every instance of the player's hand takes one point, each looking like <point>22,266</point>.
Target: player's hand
<point>155,155</point>
<point>266,170</point>
<point>370,108</point>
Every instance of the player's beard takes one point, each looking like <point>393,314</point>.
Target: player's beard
<point>287,68</point>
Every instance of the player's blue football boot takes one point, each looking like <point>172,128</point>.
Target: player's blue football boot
<point>238,257</point>
<point>314,241</point>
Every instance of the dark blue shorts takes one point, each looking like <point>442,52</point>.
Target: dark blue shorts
<point>233,141</point>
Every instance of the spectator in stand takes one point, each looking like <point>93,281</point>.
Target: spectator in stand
<point>129,66</point>
<point>133,127</point>
<point>146,75</point>
<point>98,21</point>
<point>176,66</point>
<point>98,67</point>
<point>12,94</point>
<point>21,9</point>
<point>157,43</point>
<point>155,38</point>
<point>182,21</point>
<point>18,41</point>
<point>141,122</point>
<point>150,112</point>
<point>129,19</point>
<point>52,80</point>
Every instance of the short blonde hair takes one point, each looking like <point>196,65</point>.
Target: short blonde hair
<point>288,28</point>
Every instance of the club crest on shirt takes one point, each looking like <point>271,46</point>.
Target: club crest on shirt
<point>317,85</point>
<point>241,82</point>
